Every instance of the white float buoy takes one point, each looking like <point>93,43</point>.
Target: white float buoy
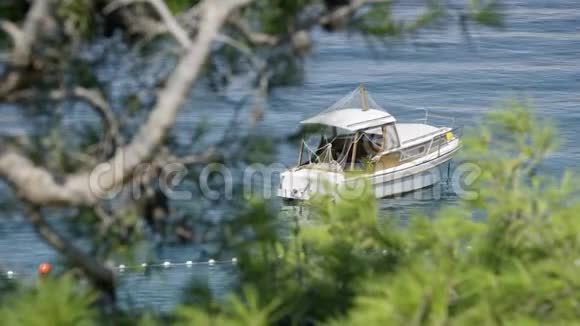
<point>121,267</point>
<point>211,261</point>
<point>188,263</point>
<point>234,260</point>
<point>144,265</point>
<point>9,274</point>
<point>166,264</point>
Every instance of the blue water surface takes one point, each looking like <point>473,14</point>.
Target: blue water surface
<point>536,56</point>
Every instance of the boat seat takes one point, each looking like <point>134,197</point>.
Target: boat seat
<point>388,161</point>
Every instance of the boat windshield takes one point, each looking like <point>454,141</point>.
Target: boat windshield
<point>341,150</point>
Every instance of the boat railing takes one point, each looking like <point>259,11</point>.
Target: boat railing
<point>414,140</point>
<point>434,119</point>
<point>455,133</point>
<point>437,119</point>
<point>435,144</point>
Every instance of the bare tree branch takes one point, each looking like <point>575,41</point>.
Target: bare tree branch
<point>256,38</point>
<point>96,99</point>
<point>204,157</point>
<point>341,13</point>
<point>33,23</point>
<point>169,22</point>
<point>93,97</point>
<point>16,35</point>
<point>23,40</point>
<point>172,25</point>
<point>101,276</point>
<point>38,186</point>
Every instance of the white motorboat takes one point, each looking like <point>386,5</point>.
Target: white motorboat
<point>360,141</point>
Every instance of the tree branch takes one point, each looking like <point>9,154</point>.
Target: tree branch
<point>16,35</point>
<point>38,186</point>
<point>341,13</point>
<point>96,99</point>
<point>204,157</point>
<point>92,97</point>
<point>23,40</point>
<point>172,25</point>
<point>256,38</point>
<point>101,276</point>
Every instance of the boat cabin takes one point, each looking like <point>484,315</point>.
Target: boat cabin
<point>358,135</point>
<point>363,138</point>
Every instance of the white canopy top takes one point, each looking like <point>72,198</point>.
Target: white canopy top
<point>352,119</point>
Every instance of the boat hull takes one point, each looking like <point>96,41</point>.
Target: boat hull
<point>303,183</point>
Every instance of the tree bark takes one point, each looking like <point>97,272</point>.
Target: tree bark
<point>38,186</point>
<point>101,277</point>
<point>23,40</point>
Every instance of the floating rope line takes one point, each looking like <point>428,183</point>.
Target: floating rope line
<point>122,268</point>
<point>10,274</point>
<point>168,264</point>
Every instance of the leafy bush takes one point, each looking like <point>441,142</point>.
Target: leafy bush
<point>517,265</point>
<point>52,302</point>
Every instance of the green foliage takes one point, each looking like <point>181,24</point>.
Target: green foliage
<point>278,16</point>
<point>379,22</point>
<point>52,302</point>
<point>258,149</point>
<point>314,270</point>
<point>346,267</point>
<point>7,288</point>
<point>77,15</point>
<point>519,266</point>
<point>177,6</point>
<point>13,9</point>
<point>487,13</point>
<point>247,309</point>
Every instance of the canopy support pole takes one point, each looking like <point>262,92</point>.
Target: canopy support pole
<point>352,158</point>
<point>384,129</point>
<point>363,93</point>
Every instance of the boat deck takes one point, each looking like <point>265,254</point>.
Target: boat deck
<point>412,131</point>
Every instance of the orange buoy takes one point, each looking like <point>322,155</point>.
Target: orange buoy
<point>44,269</point>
